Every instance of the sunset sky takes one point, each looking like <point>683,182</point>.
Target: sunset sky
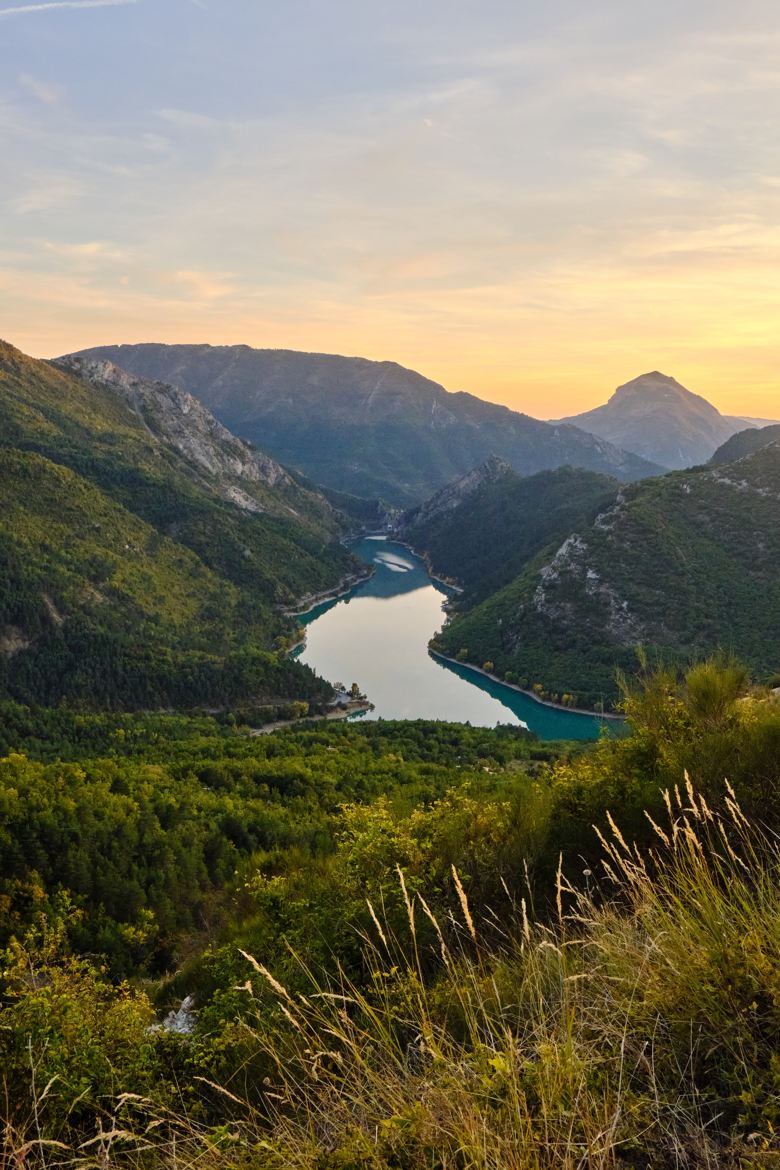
<point>532,201</point>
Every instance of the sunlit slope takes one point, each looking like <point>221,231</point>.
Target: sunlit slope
<point>122,559</point>
<point>286,547</point>
<point>99,609</point>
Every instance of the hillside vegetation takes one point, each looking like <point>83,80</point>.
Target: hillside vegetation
<point>745,443</point>
<point>483,529</point>
<point>131,577</point>
<point>408,944</point>
<point>680,565</point>
<point>363,427</point>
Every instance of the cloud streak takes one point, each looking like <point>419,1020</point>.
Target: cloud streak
<point>534,208</point>
<point>52,5</point>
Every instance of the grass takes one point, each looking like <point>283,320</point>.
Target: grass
<point>639,1029</point>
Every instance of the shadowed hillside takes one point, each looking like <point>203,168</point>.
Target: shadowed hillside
<point>368,428</point>
<point>683,565</point>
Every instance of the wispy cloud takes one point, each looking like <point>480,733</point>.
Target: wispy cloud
<point>204,285</point>
<point>188,119</point>
<point>93,250</point>
<point>48,94</point>
<point>25,10</point>
<point>45,192</point>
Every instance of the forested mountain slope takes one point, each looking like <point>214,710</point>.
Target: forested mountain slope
<point>745,443</point>
<point>236,471</point>
<point>134,574</point>
<point>364,427</point>
<point>483,529</point>
<point>682,565</point>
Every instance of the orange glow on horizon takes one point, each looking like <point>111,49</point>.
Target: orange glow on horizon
<point>582,376</point>
<point>712,326</point>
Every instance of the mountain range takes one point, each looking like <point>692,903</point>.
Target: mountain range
<point>146,553</point>
<point>149,552</point>
<point>656,417</point>
<point>364,427</point>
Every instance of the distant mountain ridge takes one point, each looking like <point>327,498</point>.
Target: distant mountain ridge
<point>659,419</point>
<point>364,427</point>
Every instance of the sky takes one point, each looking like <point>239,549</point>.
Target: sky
<point>532,200</point>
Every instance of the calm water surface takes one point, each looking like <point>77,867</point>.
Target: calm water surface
<point>378,637</point>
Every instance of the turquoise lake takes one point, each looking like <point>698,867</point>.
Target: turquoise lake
<point>377,636</point>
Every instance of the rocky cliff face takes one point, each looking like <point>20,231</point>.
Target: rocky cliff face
<point>455,494</point>
<point>176,417</point>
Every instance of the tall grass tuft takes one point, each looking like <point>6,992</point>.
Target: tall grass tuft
<point>641,1029</point>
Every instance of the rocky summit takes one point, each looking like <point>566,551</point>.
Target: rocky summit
<point>658,418</point>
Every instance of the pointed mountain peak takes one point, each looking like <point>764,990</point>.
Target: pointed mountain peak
<point>655,389</point>
<point>655,416</point>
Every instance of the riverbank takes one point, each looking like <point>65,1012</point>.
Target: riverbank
<point>310,600</point>
<point>353,707</point>
<point>530,694</point>
<point>451,586</point>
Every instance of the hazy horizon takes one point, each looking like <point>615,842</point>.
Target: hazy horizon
<point>534,206</point>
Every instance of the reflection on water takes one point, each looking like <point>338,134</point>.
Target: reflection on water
<point>378,637</point>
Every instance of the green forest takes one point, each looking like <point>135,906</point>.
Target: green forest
<point>486,541</point>
<point>408,944</point>
<point>129,579</point>
<point>683,565</point>
<point>375,945</point>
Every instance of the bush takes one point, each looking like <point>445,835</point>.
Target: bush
<point>640,1030</point>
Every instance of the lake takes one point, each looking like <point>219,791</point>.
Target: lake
<point>378,634</point>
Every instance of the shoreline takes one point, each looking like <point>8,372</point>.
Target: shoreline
<point>349,583</point>
<point>343,589</point>
<point>359,706</point>
<point>312,600</point>
<point>426,560</point>
<point>530,694</point>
